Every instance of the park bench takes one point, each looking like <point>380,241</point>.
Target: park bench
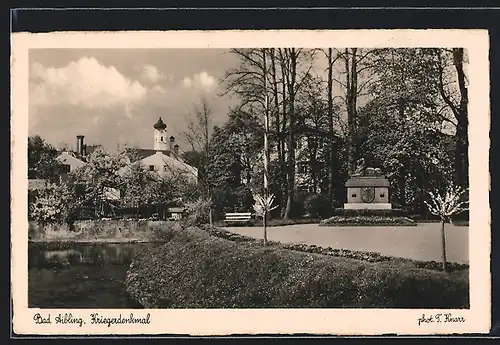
<point>238,217</point>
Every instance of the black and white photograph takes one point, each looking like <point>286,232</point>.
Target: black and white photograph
<point>251,173</point>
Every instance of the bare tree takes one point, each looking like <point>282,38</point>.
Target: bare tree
<point>332,149</point>
<point>296,64</point>
<point>354,61</point>
<point>198,133</point>
<point>198,126</point>
<point>457,101</point>
<point>284,70</point>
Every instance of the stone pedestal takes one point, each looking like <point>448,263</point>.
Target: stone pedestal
<point>370,193</point>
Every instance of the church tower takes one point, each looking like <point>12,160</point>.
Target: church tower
<point>161,140</point>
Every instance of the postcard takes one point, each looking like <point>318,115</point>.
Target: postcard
<point>323,182</point>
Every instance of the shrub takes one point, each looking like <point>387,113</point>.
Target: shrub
<point>196,270</point>
<point>197,212</point>
<point>47,206</point>
<point>164,231</point>
<point>298,205</point>
<point>235,199</point>
<point>368,221</point>
<point>318,206</point>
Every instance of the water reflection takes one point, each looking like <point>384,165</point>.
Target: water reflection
<point>63,254</point>
<point>79,275</point>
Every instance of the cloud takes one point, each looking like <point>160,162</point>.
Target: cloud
<point>151,74</point>
<point>85,83</point>
<point>159,89</point>
<point>187,82</point>
<point>201,80</point>
<point>205,80</point>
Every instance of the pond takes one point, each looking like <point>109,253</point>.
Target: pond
<point>75,275</point>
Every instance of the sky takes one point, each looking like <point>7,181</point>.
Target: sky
<point>115,96</point>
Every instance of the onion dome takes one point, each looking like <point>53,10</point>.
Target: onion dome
<point>160,124</point>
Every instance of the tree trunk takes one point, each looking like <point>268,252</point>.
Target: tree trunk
<point>283,165</point>
<point>279,194</point>
<point>403,170</point>
<point>461,150</point>
<point>266,151</point>
<point>354,101</point>
<point>291,76</point>
<point>460,111</point>
<point>332,166</point>
<point>443,245</point>
<point>351,84</point>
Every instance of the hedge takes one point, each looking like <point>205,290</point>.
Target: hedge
<point>367,221</point>
<point>197,270</point>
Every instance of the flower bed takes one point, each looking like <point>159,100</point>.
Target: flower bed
<point>395,212</point>
<point>368,221</point>
<point>270,223</point>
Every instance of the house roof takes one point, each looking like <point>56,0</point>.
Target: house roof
<point>160,159</point>
<point>143,153</point>
<point>69,158</point>
<point>90,148</point>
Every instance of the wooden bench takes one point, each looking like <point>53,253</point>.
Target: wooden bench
<point>238,217</point>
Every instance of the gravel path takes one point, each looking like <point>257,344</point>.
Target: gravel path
<point>421,242</point>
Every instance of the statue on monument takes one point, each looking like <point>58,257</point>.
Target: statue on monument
<point>367,188</point>
<point>363,171</point>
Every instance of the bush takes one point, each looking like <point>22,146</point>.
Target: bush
<point>197,212</point>
<point>164,231</point>
<point>235,199</point>
<point>318,206</point>
<point>196,270</point>
<point>298,205</point>
<point>47,206</point>
<point>368,221</point>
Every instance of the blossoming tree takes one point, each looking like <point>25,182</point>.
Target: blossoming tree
<point>262,207</point>
<point>445,206</point>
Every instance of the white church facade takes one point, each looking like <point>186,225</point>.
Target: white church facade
<point>164,158</point>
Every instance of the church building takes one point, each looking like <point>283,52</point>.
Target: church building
<point>164,158</point>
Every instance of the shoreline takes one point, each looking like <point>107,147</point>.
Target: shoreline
<point>90,240</point>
